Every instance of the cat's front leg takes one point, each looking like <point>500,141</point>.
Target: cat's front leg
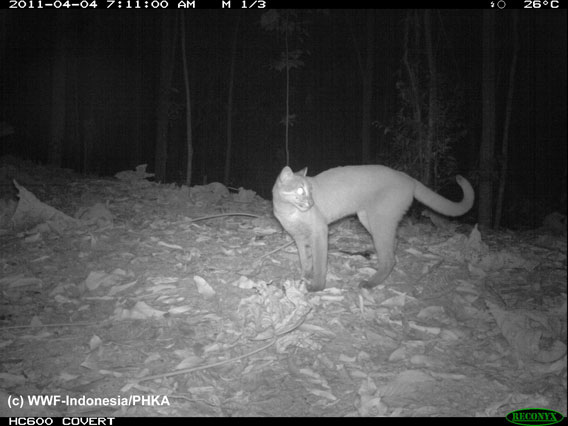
<point>305,255</point>
<point>318,248</point>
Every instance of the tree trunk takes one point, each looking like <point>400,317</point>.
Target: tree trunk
<point>367,98</point>
<point>230,105</point>
<point>414,92</point>
<point>486,154</point>
<point>189,162</point>
<point>3,33</point>
<point>168,42</point>
<point>366,71</point>
<point>58,93</point>
<point>433,118</point>
<point>506,125</point>
<point>90,97</point>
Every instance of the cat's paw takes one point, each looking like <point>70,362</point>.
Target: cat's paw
<point>367,284</point>
<point>312,286</point>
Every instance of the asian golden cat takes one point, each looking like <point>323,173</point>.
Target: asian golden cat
<point>378,195</point>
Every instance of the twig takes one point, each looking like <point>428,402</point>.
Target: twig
<point>276,250</point>
<point>216,364</point>
<point>64,324</point>
<point>223,215</point>
<point>258,263</point>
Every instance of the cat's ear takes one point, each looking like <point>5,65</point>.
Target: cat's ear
<point>286,173</point>
<point>303,172</point>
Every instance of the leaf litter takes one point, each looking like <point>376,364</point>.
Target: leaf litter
<point>122,288</point>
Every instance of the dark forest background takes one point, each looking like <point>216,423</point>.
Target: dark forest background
<point>83,90</point>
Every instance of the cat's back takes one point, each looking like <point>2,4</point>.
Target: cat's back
<point>349,176</point>
<point>343,191</point>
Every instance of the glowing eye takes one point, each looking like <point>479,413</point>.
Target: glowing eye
<point>300,191</point>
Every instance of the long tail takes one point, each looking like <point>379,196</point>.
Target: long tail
<point>442,205</point>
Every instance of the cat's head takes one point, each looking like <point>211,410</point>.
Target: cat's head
<point>295,188</point>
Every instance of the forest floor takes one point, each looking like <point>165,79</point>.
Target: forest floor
<point>122,297</point>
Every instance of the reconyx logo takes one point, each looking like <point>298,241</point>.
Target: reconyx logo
<point>534,416</point>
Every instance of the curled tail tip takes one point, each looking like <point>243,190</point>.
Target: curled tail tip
<point>469,194</point>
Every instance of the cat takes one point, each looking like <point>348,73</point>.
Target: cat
<point>378,195</point>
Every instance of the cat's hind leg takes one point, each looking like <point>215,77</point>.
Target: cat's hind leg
<point>383,231</point>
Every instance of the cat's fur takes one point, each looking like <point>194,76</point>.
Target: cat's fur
<point>380,196</point>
